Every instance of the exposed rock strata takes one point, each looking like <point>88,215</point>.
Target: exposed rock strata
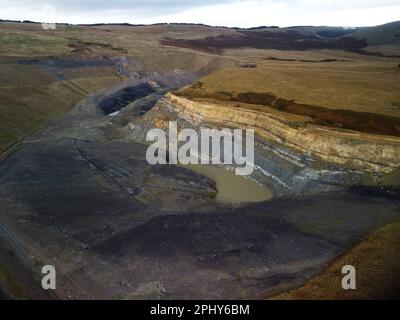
<point>358,151</point>
<point>292,155</point>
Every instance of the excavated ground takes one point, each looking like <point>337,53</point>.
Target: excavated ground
<point>80,195</point>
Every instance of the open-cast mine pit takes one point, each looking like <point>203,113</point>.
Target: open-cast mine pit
<point>77,191</point>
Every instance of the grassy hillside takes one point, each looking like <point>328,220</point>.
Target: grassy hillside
<point>388,33</point>
<point>363,86</point>
<point>384,39</point>
<point>29,97</point>
<point>377,264</point>
<point>31,94</point>
<point>22,44</point>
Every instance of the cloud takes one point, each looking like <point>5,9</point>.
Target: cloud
<point>290,12</point>
<point>242,13</point>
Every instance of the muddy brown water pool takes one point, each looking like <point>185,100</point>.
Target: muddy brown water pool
<point>232,189</point>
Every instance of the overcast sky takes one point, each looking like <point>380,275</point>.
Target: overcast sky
<point>239,13</point>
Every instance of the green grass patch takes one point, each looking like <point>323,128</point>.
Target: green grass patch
<point>18,44</point>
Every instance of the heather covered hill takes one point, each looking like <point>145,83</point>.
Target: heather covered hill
<point>300,38</point>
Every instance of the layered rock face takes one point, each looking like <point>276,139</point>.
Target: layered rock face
<point>354,150</point>
<point>293,155</point>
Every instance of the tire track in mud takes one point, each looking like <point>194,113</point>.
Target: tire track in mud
<point>107,176</point>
